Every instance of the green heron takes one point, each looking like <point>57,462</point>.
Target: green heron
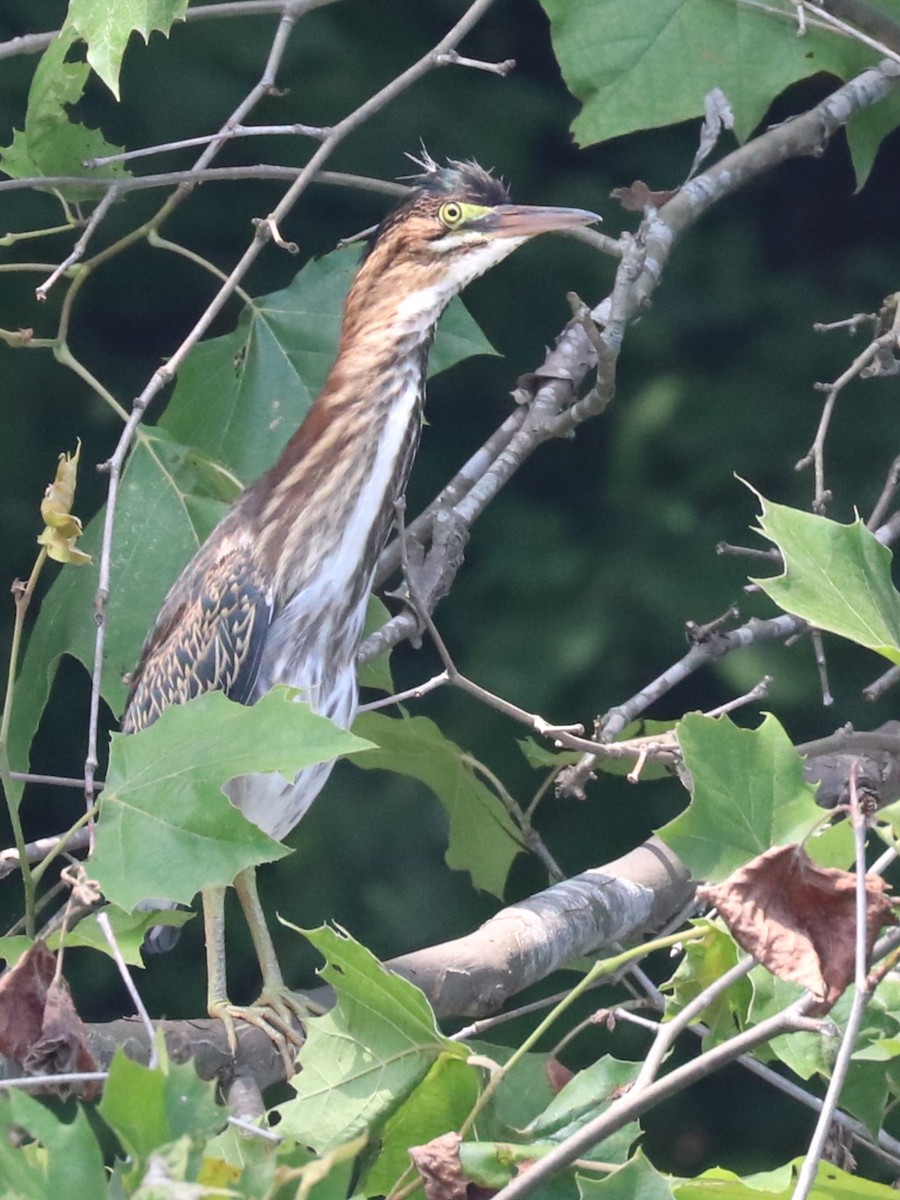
<point>278,592</point>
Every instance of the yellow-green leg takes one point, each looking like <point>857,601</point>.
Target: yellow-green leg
<point>276,1008</point>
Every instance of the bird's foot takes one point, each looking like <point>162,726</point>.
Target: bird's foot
<point>275,1013</point>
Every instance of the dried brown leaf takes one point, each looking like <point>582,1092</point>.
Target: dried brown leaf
<point>62,1046</point>
<point>23,994</point>
<point>799,919</point>
<point>638,197</point>
<point>557,1074</point>
<point>438,1164</point>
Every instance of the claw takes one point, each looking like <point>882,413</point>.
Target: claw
<point>274,1014</point>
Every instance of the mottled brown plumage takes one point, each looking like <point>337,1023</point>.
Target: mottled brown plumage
<point>277,593</point>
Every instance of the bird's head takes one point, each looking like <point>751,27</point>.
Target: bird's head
<point>455,224</point>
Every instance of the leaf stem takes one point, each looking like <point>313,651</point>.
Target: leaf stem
<point>13,789</point>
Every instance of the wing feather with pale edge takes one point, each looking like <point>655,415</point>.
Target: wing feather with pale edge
<point>208,637</point>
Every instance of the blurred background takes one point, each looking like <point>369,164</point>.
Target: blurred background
<point>579,579</point>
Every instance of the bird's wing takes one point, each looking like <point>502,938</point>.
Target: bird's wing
<point>208,637</point>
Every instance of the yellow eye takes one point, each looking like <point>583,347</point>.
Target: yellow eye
<point>451,214</point>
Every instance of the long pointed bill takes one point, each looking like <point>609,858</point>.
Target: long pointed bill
<point>525,220</point>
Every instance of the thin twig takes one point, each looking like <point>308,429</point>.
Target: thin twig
<point>238,131</point>
<point>883,684</point>
<point>126,977</point>
<point>633,1105</point>
<point>192,176</point>
<point>807,1177</point>
<point>668,1032</point>
<point>891,483</point>
<point>818,646</point>
<point>77,251</point>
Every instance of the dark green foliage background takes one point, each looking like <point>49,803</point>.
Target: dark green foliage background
<point>580,577</point>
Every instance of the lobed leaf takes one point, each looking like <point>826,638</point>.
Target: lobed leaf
<point>483,838</point>
<point>748,793</point>
<point>637,1178</point>
<point>837,577</point>
<point>51,143</point>
<point>831,1183</point>
<point>651,63</point>
<point>65,1160</point>
<point>149,1107</point>
<point>440,1102</point>
<point>163,804</point>
<point>362,1059</point>
<point>107,27</point>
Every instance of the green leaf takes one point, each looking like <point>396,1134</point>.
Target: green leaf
<point>805,1053</point>
<point>51,143</point>
<point>239,397</point>
<point>748,794</point>
<point>837,577</point>
<point>71,1163</point>
<point>168,501</point>
<point>129,930</point>
<point>163,806</point>
<point>107,27</point>
<point>363,1058</point>
<point>494,1164</point>
<point>540,757</point>
<point>864,1094</point>
<point>377,673</point>
<point>637,1179</point>
<point>831,1183</point>
<point>650,63</point>
<point>586,1095</point>
<point>483,838</point>
<point>441,1101</point>
<point>702,964</point>
<point>151,1107</point>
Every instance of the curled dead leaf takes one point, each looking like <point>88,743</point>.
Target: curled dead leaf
<point>638,197</point>
<point>61,527</point>
<point>23,994</point>
<point>558,1075</point>
<point>799,919</point>
<point>39,1026</point>
<point>438,1164</point>
<point>62,1046</point>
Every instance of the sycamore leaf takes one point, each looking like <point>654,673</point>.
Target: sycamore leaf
<point>798,919</point>
<point>440,1102</point>
<point>837,577</point>
<point>66,1162</point>
<point>51,142</point>
<point>377,673</point>
<point>637,1178</point>
<point>585,1095</point>
<point>748,794</point>
<point>362,1059</point>
<point>166,828</point>
<point>151,1107</point>
<point>831,1183</point>
<point>483,840</point>
<point>651,63</point>
<point>701,964</point>
<point>107,27</point>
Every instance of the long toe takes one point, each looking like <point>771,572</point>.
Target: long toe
<point>274,1021</point>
